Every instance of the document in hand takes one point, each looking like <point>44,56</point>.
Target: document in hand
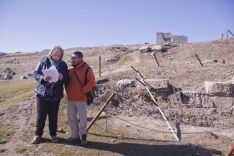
<point>52,72</point>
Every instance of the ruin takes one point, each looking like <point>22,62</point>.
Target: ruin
<point>168,37</point>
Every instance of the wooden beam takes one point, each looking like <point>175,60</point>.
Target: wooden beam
<point>100,111</point>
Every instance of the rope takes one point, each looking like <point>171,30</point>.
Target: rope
<point>223,128</point>
<point>162,131</point>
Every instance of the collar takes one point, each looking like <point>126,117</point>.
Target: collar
<point>80,65</point>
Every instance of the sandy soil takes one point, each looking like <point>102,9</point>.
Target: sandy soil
<point>134,125</point>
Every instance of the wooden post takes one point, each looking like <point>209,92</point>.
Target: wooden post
<point>199,59</point>
<point>230,32</point>
<point>103,106</point>
<point>100,65</point>
<point>230,151</point>
<point>222,36</point>
<point>156,59</point>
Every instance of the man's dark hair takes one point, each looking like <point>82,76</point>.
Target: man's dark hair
<point>78,53</point>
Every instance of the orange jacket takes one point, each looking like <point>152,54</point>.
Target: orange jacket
<point>73,89</point>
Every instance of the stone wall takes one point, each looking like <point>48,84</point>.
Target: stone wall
<point>218,97</point>
<point>178,39</point>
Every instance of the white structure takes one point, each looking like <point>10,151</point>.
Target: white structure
<point>168,37</point>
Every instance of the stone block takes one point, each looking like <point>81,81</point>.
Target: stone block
<point>145,49</point>
<point>191,97</point>
<point>160,84</point>
<point>157,48</point>
<point>196,98</point>
<point>219,88</point>
<point>175,98</point>
<point>223,102</point>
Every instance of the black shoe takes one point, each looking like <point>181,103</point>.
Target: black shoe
<point>54,139</point>
<point>70,140</point>
<point>84,140</point>
<point>36,140</point>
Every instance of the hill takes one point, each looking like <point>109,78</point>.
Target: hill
<point>134,125</point>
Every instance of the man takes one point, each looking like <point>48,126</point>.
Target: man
<point>81,81</point>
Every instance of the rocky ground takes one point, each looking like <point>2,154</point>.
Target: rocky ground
<point>134,125</point>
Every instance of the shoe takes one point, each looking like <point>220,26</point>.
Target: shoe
<point>54,139</point>
<point>70,139</point>
<point>84,140</point>
<point>36,140</point>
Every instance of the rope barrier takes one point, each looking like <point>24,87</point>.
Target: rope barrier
<point>223,128</point>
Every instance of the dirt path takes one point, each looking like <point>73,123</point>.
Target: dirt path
<point>20,119</point>
<point>143,135</point>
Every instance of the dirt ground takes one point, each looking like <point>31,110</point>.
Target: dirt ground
<point>116,135</point>
<point>134,125</point>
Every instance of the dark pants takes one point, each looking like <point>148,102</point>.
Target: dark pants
<point>45,107</point>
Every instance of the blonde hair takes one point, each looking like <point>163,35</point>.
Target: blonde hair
<point>56,47</point>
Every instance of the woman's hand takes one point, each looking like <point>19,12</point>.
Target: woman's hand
<point>47,78</point>
<point>60,76</point>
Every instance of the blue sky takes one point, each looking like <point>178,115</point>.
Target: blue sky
<point>35,25</point>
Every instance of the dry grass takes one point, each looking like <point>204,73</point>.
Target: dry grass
<point>6,132</point>
<point>20,150</point>
<point>14,91</point>
<point>178,65</point>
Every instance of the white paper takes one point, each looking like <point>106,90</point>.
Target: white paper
<point>52,72</point>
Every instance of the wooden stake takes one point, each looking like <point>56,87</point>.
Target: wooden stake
<point>156,59</point>
<point>230,151</point>
<point>103,106</point>
<point>100,65</point>
<point>199,59</point>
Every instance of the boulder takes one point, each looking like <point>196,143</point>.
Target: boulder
<point>7,77</point>
<point>145,49</point>
<point>124,83</point>
<point>7,74</point>
<point>23,77</point>
<point>156,48</point>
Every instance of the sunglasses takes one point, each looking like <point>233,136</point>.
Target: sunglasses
<point>73,57</point>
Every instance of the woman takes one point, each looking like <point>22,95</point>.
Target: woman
<point>49,94</point>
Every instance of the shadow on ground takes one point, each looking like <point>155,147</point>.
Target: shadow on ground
<point>135,149</point>
<point>156,150</point>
